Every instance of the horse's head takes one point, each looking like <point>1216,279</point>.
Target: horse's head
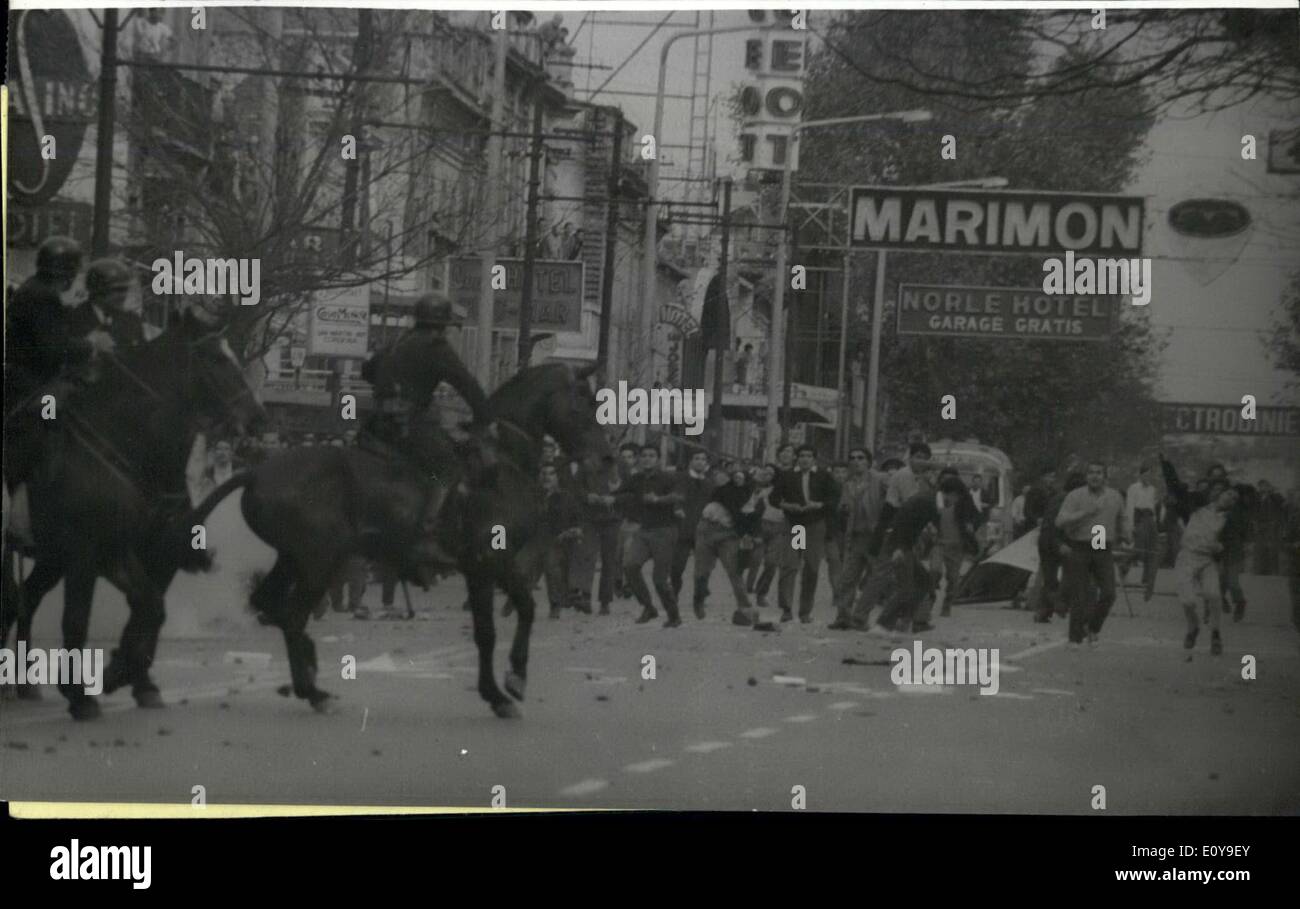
<point>216,393</point>
<point>557,400</point>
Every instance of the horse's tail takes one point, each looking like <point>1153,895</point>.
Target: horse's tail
<point>177,543</point>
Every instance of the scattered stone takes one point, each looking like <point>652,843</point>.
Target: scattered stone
<point>49,749</point>
<point>119,743</point>
<point>602,697</point>
<point>184,701</point>
<point>752,681</point>
<point>63,738</point>
<point>376,752</point>
<point>1214,776</point>
<point>223,706</point>
<point>16,746</point>
<point>225,743</point>
<point>813,689</point>
<point>163,730</point>
<point>284,691</point>
<point>94,744</point>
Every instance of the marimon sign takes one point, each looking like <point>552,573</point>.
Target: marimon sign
<point>1226,419</point>
<point>978,221</point>
<point>1003,312</point>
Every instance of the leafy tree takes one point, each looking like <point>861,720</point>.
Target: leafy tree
<point>1039,400</point>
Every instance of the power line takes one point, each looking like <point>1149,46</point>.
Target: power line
<point>635,51</point>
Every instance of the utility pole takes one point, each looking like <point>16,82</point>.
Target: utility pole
<point>611,242</point>
<point>492,219</point>
<point>530,239</point>
<point>722,337</point>
<point>351,166</point>
<point>104,137</point>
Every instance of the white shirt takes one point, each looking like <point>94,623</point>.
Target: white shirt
<point>1140,495</point>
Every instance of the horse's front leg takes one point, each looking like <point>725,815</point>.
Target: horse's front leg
<point>45,575</point>
<point>135,654</point>
<point>479,581</point>
<point>78,592</point>
<point>516,587</point>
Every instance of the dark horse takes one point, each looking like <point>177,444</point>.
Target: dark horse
<point>111,476</point>
<point>319,506</point>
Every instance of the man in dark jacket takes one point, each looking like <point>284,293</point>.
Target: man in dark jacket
<point>912,531</point>
<point>1270,527</point>
<point>696,488</point>
<point>596,491</point>
<point>1047,585</point>
<point>1237,533</point>
<point>551,549</point>
<point>650,500</point>
<point>806,495</point>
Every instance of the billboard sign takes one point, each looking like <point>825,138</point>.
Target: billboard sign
<point>340,323</point>
<point>557,292</point>
<point>1004,312</point>
<point>996,221</point>
<point>1226,420</point>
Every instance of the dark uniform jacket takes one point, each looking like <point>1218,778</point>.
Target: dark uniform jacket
<point>37,340</point>
<point>413,367</point>
<point>911,518</point>
<point>125,328</point>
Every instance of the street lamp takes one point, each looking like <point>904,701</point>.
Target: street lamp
<point>649,254</point>
<point>776,348</point>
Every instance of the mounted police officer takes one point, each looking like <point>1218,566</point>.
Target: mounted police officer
<point>108,281</point>
<point>405,376</point>
<point>36,338</point>
<point>38,347</point>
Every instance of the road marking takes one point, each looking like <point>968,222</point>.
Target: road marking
<point>365,716</point>
<point>1061,691</point>
<point>1013,696</point>
<point>801,718</point>
<point>649,766</point>
<point>925,689</point>
<point>1035,650</point>
<point>761,732</point>
<point>585,787</point>
<point>706,747</point>
<point>842,705</point>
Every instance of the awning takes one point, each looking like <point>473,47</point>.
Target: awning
<point>797,414</point>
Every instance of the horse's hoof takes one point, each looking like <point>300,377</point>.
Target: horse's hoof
<point>515,685</point>
<point>506,710</point>
<point>151,699</point>
<point>324,703</point>
<point>84,709</point>
<point>28,692</point>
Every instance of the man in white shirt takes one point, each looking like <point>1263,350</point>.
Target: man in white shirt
<point>1140,505</point>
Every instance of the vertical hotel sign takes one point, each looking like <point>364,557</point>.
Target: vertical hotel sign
<point>771,101</point>
<point>52,100</point>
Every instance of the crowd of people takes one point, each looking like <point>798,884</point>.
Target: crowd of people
<point>1208,526</point>
<point>894,538</point>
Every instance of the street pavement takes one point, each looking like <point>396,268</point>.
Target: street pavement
<point>733,719</point>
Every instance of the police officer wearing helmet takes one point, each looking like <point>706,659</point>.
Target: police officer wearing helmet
<point>407,372</point>
<point>108,281</point>
<point>37,340</point>
<point>405,376</point>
